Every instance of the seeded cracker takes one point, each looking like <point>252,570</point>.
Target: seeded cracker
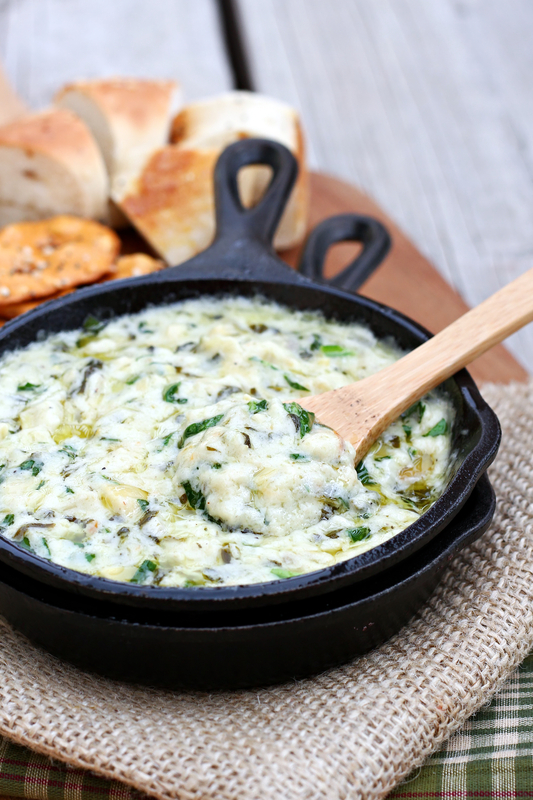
<point>130,266</point>
<point>134,265</point>
<point>41,259</point>
<point>16,309</point>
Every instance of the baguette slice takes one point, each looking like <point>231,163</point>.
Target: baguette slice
<point>171,200</point>
<point>128,117</point>
<point>50,165</point>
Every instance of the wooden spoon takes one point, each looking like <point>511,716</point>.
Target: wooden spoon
<point>361,411</point>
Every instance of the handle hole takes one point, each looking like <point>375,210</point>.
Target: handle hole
<point>253,182</point>
<point>339,255</point>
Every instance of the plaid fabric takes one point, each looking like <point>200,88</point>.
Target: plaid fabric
<point>27,774</point>
<point>491,757</point>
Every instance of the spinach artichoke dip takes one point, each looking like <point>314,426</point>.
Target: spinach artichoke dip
<point>168,447</point>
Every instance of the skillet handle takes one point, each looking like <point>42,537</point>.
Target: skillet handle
<point>345,228</point>
<point>260,222</point>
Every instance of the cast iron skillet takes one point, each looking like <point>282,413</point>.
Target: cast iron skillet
<point>242,261</point>
<point>242,648</point>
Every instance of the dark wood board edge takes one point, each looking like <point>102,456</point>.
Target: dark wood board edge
<point>406,280</point>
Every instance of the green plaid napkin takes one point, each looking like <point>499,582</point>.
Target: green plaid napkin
<point>27,774</point>
<point>491,757</point>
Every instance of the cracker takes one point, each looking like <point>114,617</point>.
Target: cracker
<point>40,259</point>
<point>125,267</point>
<point>133,265</point>
<point>15,309</point>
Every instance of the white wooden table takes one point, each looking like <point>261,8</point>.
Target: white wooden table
<point>425,104</point>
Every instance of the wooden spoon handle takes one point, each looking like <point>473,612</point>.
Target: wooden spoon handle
<point>367,408</point>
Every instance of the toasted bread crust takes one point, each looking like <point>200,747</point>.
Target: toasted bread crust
<point>56,133</point>
<point>133,99</point>
<point>172,202</point>
<point>49,165</point>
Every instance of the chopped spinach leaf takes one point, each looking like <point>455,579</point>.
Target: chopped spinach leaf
<point>41,485</point>
<point>283,573</point>
<point>108,439</point>
<point>27,387</point>
<point>359,534</point>
<point>216,466</point>
<point>194,498</point>
<point>90,557</point>
<point>68,450</point>
<point>256,406</point>
<point>303,420</point>
<point>93,325</point>
<point>417,408</point>
<point>46,547</point>
<point>167,438</point>
<point>31,464</point>
<point>198,427</point>
<point>439,429</point>
<point>143,504</point>
<point>111,480</point>
<point>408,502</point>
<point>263,362</point>
<point>25,543</point>
<point>407,430</point>
<point>68,490</point>
<point>91,368</point>
<point>316,344</point>
<point>334,504</point>
<point>9,519</point>
<point>364,476</point>
<point>143,571</point>
<point>132,380</point>
<point>381,458</point>
<point>295,384</point>
<point>169,395</point>
<point>299,457</point>
<point>336,351</point>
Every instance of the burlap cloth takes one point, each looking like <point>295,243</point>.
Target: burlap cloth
<point>352,732</point>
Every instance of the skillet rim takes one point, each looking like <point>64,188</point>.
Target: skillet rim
<point>197,273</point>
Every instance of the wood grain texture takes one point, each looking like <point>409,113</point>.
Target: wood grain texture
<point>46,43</point>
<point>425,105</point>
<point>406,280</point>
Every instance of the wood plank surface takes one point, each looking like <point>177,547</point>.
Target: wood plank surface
<point>425,105</point>
<point>46,43</point>
<point>406,280</point>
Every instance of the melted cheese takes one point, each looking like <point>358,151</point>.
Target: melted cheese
<point>168,447</point>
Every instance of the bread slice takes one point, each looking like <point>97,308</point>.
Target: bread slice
<point>128,117</point>
<point>50,165</point>
<point>171,203</point>
<point>171,200</point>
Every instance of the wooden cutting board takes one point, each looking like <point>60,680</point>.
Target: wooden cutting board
<point>406,280</point>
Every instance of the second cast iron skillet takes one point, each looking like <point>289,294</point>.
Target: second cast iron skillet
<point>241,261</point>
